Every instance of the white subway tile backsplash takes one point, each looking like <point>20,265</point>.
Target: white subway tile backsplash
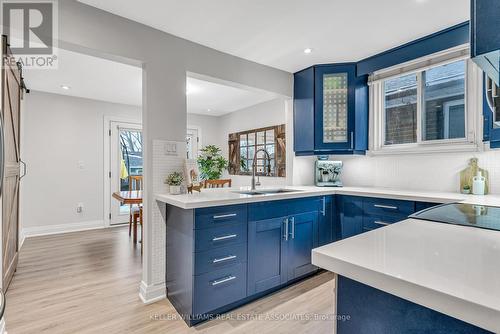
<point>436,172</point>
<point>164,163</point>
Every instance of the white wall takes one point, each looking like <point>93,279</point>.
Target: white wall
<point>435,172</point>
<point>216,129</point>
<point>209,127</point>
<point>59,132</point>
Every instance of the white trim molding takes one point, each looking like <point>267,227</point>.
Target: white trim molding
<point>28,232</point>
<point>473,101</point>
<point>2,326</point>
<point>150,294</point>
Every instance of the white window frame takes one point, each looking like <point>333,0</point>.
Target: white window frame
<point>473,106</point>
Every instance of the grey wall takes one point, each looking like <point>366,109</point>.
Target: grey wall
<point>165,60</point>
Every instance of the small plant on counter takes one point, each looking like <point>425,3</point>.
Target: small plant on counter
<point>174,180</point>
<point>211,163</point>
<point>466,189</point>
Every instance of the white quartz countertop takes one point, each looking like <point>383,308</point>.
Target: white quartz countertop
<point>227,196</point>
<point>452,269</point>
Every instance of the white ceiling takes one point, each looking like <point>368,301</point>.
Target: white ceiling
<point>216,99</point>
<point>89,77</point>
<point>105,80</point>
<point>276,32</point>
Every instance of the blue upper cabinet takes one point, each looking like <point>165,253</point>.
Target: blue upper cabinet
<point>485,51</point>
<point>330,110</point>
<point>485,37</point>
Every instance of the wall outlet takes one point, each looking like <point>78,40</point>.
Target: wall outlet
<point>79,208</point>
<point>170,148</point>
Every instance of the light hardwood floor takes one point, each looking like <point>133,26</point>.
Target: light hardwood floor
<point>87,282</point>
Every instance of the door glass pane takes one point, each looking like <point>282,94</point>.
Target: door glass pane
<point>270,137</point>
<point>243,140</point>
<point>251,139</point>
<point>401,110</point>
<point>131,159</point>
<point>443,114</point>
<point>261,138</point>
<point>243,153</point>
<point>335,108</point>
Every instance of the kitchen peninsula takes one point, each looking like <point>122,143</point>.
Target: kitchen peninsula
<point>226,247</point>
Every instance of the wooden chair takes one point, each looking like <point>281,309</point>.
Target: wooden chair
<point>217,183</point>
<point>135,183</point>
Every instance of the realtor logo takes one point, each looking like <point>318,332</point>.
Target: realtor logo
<point>31,30</point>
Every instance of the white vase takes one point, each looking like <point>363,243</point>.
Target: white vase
<point>175,190</point>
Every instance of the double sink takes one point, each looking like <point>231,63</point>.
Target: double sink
<point>265,191</point>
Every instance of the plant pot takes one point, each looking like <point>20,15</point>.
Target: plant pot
<point>175,190</point>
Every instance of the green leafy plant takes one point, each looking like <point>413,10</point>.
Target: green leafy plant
<point>174,179</point>
<point>211,163</point>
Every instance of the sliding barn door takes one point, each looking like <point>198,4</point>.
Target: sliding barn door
<point>11,90</point>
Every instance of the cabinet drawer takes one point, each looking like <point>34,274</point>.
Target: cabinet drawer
<point>373,222</point>
<point>302,205</point>
<point>219,288</point>
<point>381,206</point>
<point>218,258</point>
<point>220,236</point>
<point>267,210</point>
<point>221,215</point>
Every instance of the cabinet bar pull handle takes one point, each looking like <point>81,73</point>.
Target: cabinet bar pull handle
<point>352,140</point>
<point>223,259</point>
<point>285,235</point>
<point>293,227</point>
<point>385,206</point>
<point>223,280</point>
<point>323,211</point>
<point>231,236</point>
<point>225,216</point>
<point>381,223</point>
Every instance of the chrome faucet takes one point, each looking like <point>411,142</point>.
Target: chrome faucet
<point>254,167</point>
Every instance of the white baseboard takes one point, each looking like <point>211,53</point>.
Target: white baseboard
<point>2,326</point>
<point>22,238</point>
<point>152,293</point>
<point>28,232</point>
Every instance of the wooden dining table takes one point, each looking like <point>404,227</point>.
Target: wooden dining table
<point>131,197</point>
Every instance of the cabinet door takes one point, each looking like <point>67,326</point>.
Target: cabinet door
<point>326,228</point>
<point>303,237</point>
<point>351,215</point>
<point>334,108</point>
<point>266,254</point>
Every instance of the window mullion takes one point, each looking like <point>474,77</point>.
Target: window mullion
<point>420,100</point>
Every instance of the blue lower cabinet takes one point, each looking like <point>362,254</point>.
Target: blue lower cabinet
<point>219,288</point>
<point>279,248</point>
<point>303,237</point>
<point>266,254</point>
<point>350,215</point>
<point>376,312</point>
<point>328,231</point>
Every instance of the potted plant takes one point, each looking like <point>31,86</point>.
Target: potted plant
<point>466,189</point>
<point>211,163</point>
<point>174,180</point>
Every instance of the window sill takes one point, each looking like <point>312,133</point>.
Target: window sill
<point>426,149</point>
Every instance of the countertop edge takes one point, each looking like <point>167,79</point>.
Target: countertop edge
<point>191,202</point>
<point>453,306</point>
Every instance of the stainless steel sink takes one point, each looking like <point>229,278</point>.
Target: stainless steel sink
<point>266,191</point>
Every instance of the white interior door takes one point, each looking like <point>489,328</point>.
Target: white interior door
<point>126,158</point>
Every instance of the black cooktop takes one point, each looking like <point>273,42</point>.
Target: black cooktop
<point>480,216</point>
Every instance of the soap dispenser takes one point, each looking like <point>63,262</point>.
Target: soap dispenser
<point>478,184</point>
